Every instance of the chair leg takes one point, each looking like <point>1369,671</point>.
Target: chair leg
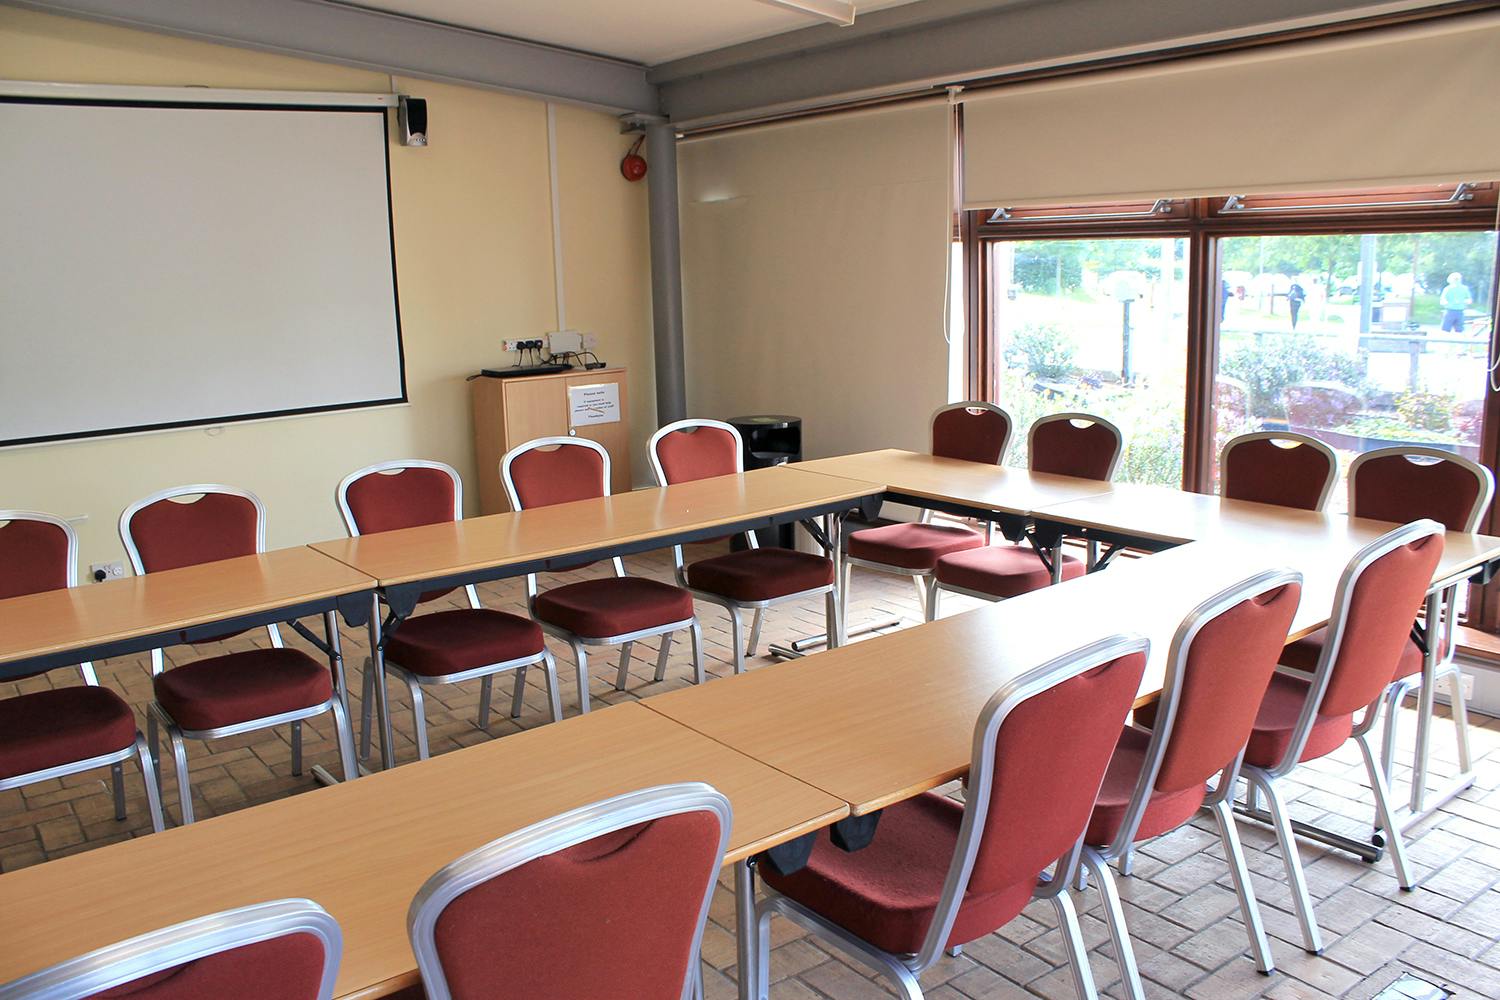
<point>1385,816</point>
<point>1127,861</point>
<point>755,623</point>
<point>846,577</point>
<point>624,674</point>
<point>1234,855</point>
<point>582,660</point>
<point>296,728</point>
<point>921,582</point>
<point>343,733</point>
<point>662,656</point>
<point>1114,919</point>
<point>517,694</point>
<point>149,778</point>
<point>554,692</point>
<point>153,746</point>
<point>1312,939</point>
<point>737,639</point>
<point>1460,710</point>
<point>419,718</point>
<point>831,619</point>
<point>366,709</point>
<point>486,691</point>
<point>117,782</point>
<point>1078,956</point>
<point>184,785</point>
<point>697,636</point>
<point>955,951</point>
<point>930,611</point>
<point>1394,696</point>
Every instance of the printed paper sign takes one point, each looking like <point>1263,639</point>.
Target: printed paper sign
<point>593,404</point>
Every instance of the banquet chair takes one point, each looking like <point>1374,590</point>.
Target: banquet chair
<point>613,611</point>
<point>232,693</point>
<point>443,647</point>
<point>1278,467</point>
<point>606,900</point>
<point>940,874</point>
<point>60,731</point>
<point>753,578</point>
<point>1063,444</point>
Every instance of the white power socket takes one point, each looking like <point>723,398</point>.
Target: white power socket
<point>1444,686</point>
<point>99,572</point>
<point>518,345</point>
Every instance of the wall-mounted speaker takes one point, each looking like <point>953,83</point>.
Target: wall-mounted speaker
<point>411,117</point>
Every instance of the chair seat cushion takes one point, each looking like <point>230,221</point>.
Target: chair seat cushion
<point>49,728</point>
<point>613,606</point>
<point>887,892</point>
<point>450,642</point>
<point>1278,715</point>
<point>1164,813</point>
<point>1002,570</point>
<point>1303,655</point>
<point>240,687</point>
<point>911,546</point>
<point>760,574</point>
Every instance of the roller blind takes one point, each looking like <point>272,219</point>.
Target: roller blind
<point>1412,105</point>
<point>814,267</point>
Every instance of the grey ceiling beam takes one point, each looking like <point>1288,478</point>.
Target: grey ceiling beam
<point>930,44</point>
<point>390,43</point>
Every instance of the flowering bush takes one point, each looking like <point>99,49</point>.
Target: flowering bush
<point>1271,363</point>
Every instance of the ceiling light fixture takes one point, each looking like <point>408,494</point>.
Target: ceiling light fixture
<point>839,12</point>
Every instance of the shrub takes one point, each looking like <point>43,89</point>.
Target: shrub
<point>1041,350</point>
<point>1271,364</point>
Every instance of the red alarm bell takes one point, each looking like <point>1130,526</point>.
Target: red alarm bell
<point>633,166</point>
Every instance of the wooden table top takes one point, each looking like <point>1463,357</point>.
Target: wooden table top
<point>436,550</point>
<point>992,487</point>
<point>60,620</point>
<point>362,849</point>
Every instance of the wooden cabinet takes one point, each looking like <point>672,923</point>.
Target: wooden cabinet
<point>512,411</point>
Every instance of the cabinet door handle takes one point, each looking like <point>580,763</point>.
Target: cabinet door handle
<point>572,432</point>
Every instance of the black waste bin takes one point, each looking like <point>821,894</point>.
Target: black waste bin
<point>771,439</point>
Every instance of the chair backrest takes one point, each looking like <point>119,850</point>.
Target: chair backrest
<point>550,470</point>
<point>606,900</point>
<point>164,531</point>
<point>1373,609</point>
<point>685,450</point>
<point>1219,665</point>
<point>971,430</point>
<point>404,493</point>
<point>37,552</point>
<point>1075,444</point>
<point>1030,793</point>
<point>1409,483</point>
<point>1278,467</point>
<point>283,950</point>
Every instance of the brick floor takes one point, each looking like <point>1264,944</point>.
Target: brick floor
<point>1189,939</point>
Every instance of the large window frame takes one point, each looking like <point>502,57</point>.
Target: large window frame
<point>1204,222</point>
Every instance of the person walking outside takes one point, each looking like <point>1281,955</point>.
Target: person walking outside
<point>1454,299</point>
<point>1295,296</point>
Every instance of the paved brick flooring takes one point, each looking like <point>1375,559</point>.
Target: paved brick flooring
<point>1181,909</point>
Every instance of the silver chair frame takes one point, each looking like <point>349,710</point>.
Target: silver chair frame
<point>1267,780</point>
<point>1220,801</point>
<point>920,578</point>
<point>1440,615</point>
<point>1297,440</point>
<point>901,971</point>
<point>550,836</point>
<point>935,589</point>
<point>415,682</point>
<point>625,640</point>
<point>158,718</point>
<point>731,606</point>
<point>114,761</point>
<point>159,950</point>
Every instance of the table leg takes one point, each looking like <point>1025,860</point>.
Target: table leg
<point>747,931</point>
<point>382,706</point>
<point>320,773</point>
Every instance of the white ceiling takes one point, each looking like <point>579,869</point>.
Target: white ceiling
<point>640,31</point>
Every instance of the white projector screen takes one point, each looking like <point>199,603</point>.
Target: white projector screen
<point>165,265</point>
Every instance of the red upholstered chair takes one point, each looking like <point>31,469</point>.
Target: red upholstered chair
<point>608,900</point>
<point>753,578</point>
<point>1063,444</point>
<point>1218,668</point>
<point>1278,467</point>
<point>939,874</point>
<point>971,431</point>
<point>607,612</point>
<point>49,734</point>
<point>232,693</point>
<point>1401,485</point>
<point>444,647</point>
<point>288,949</point>
<point>1305,716</point>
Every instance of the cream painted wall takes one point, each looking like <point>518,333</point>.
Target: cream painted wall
<point>475,265</point>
